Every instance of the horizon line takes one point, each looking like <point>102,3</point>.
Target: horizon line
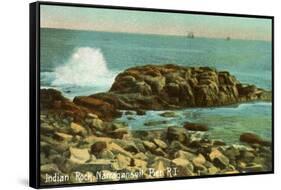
<point>157,34</point>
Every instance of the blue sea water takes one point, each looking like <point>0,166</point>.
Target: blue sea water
<point>86,62</point>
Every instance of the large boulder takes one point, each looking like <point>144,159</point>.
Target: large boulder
<point>160,87</point>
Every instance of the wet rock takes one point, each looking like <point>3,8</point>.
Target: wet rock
<point>252,138</point>
<point>140,112</point>
<point>168,114</point>
<point>129,113</point>
<point>218,142</point>
<point>131,118</point>
<point>195,127</point>
<point>155,123</point>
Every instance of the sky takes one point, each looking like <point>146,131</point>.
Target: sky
<point>129,21</point>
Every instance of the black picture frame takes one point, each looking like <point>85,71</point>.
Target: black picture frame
<point>34,90</point>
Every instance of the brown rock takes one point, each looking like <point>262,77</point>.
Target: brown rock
<point>98,147</point>
<point>252,138</point>
<point>195,127</point>
<point>102,108</point>
<point>52,100</point>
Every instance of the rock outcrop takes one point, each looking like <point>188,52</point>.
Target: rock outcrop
<point>159,87</point>
<point>52,101</point>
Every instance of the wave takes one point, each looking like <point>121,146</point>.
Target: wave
<point>85,67</point>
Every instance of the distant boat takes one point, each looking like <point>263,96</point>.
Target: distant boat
<point>228,38</point>
<point>190,35</point>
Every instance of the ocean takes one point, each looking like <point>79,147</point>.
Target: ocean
<point>86,62</point>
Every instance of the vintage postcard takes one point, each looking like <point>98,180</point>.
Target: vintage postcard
<point>128,94</point>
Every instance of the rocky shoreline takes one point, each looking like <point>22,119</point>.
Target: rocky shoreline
<point>110,147</point>
<point>80,142</point>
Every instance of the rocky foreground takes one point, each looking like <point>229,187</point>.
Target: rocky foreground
<point>80,141</point>
<point>98,151</point>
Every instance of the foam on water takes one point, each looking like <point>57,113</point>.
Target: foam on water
<point>85,67</point>
<point>226,123</point>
